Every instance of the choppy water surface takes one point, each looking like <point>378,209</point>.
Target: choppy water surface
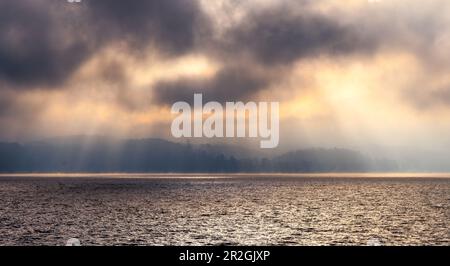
<point>243,210</point>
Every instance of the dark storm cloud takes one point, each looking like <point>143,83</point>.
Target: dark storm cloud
<point>32,47</point>
<point>44,42</point>
<point>171,25</point>
<point>230,84</point>
<point>271,39</point>
<point>281,36</point>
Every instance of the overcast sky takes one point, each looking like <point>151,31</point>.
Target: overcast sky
<point>352,73</point>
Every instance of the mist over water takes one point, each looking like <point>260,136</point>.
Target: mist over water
<point>224,210</point>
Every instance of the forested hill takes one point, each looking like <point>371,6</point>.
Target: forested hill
<point>156,155</point>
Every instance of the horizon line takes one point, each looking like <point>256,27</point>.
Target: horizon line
<point>435,175</point>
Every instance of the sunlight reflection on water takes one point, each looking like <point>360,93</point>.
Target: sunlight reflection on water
<point>224,209</point>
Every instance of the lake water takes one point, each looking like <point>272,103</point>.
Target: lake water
<point>225,210</point>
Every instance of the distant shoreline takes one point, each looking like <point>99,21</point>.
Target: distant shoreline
<point>229,175</point>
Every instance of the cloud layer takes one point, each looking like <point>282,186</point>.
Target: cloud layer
<point>104,66</point>
<point>43,42</point>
